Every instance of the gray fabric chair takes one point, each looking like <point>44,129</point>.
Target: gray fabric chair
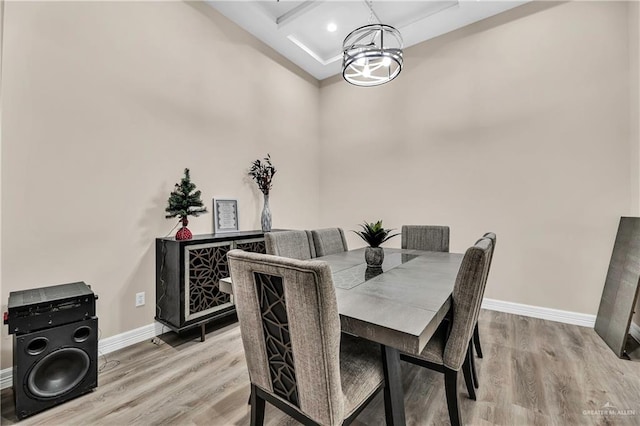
<point>449,349</point>
<point>292,244</point>
<point>290,330</point>
<point>476,332</point>
<point>425,237</point>
<point>329,241</point>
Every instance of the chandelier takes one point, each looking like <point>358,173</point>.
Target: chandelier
<point>372,54</point>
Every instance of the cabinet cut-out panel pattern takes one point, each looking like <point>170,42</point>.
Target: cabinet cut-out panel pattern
<point>252,246</point>
<point>206,267</point>
<point>188,274</point>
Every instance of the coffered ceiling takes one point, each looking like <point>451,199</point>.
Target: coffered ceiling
<point>310,33</point>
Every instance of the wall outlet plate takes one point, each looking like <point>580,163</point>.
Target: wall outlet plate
<point>140,299</point>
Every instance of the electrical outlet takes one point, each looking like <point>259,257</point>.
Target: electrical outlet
<point>140,299</point>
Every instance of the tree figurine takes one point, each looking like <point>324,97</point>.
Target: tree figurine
<point>184,201</point>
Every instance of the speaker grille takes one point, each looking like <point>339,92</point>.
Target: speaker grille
<point>54,365</point>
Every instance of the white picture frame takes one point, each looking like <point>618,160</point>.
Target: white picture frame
<point>225,215</point>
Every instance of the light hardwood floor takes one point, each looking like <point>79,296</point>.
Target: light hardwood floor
<point>534,372</point>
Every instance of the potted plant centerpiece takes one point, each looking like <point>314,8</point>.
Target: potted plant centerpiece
<point>374,235</point>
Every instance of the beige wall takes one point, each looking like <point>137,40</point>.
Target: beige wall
<point>523,118</point>
<point>518,124</point>
<point>104,106</point>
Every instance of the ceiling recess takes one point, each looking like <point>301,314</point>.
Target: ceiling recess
<point>298,29</point>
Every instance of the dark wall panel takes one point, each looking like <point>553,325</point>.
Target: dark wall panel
<point>621,286</point>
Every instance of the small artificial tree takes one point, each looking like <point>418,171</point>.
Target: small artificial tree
<point>184,201</point>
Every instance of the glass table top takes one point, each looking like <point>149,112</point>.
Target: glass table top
<point>351,277</point>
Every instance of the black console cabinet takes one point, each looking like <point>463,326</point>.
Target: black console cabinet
<point>187,275</point>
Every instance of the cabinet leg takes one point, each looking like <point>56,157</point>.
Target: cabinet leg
<point>202,334</point>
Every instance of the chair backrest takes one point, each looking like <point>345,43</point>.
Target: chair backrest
<point>466,300</point>
<point>292,244</point>
<point>492,236</point>
<point>290,330</point>
<point>425,237</point>
<point>329,241</point>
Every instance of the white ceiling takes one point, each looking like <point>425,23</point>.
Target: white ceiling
<point>298,29</point>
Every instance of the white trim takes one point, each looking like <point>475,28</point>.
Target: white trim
<point>6,378</point>
<point>634,330</point>
<point>567,317</point>
<point>128,338</point>
<point>105,346</point>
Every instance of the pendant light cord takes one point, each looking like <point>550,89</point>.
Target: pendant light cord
<point>372,14</point>
<point>373,18</point>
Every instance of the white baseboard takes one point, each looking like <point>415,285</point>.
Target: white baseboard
<point>567,317</point>
<point>6,378</point>
<point>128,338</point>
<point>105,346</point>
<point>634,330</point>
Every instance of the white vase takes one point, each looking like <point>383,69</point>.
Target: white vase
<point>265,220</point>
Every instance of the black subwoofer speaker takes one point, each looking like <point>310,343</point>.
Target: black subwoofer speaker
<point>54,365</point>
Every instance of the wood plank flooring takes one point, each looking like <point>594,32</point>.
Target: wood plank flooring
<point>534,372</point>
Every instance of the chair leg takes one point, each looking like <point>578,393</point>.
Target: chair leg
<point>476,340</point>
<point>386,395</point>
<point>257,408</point>
<point>467,371</point>
<point>451,389</point>
<point>474,369</point>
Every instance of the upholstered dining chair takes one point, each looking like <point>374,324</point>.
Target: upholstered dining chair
<point>329,241</point>
<point>476,332</point>
<point>297,358</point>
<point>425,237</point>
<point>449,349</point>
<point>293,244</point>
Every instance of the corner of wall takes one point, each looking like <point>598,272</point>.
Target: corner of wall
<point>634,111</point>
<point>2,335</point>
<point>634,97</point>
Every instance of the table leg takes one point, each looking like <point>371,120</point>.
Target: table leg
<point>202,332</point>
<point>394,397</point>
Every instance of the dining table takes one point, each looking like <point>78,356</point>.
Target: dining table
<point>398,305</point>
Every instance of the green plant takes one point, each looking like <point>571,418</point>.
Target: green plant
<point>374,234</point>
<point>182,202</point>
